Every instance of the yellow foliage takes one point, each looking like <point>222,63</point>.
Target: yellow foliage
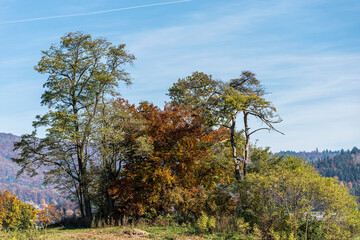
<point>287,197</point>
<point>15,214</point>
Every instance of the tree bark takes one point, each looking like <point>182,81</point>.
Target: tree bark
<point>247,141</point>
<point>238,173</point>
<point>110,210</point>
<point>87,203</point>
<point>81,203</point>
<point>84,190</point>
<point>307,225</point>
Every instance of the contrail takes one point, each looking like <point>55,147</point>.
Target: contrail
<point>91,13</point>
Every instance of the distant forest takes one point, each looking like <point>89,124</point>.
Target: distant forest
<point>311,156</point>
<point>345,166</point>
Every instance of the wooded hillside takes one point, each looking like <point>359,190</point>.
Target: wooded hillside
<point>30,189</point>
<point>345,166</point>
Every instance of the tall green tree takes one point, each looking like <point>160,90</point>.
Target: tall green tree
<point>220,103</point>
<point>245,95</point>
<point>82,72</point>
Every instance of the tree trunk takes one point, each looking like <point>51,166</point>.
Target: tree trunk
<point>247,141</point>
<point>307,226</point>
<point>108,211</point>
<point>238,173</point>
<point>111,206</point>
<point>81,203</point>
<point>83,182</point>
<point>87,204</point>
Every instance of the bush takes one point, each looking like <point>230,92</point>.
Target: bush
<point>202,223</point>
<point>211,224</point>
<point>15,214</point>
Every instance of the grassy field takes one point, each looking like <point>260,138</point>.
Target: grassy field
<point>112,233</point>
<point>118,233</point>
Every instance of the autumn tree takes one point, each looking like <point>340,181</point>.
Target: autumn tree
<point>220,103</point>
<point>182,162</point>
<point>119,137</point>
<point>48,215</point>
<point>82,71</point>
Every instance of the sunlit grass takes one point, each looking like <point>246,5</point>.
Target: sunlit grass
<point>112,233</point>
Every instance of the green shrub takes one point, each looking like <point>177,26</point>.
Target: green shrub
<point>202,223</point>
<point>211,224</point>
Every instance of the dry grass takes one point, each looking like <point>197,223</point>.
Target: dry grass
<point>110,233</point>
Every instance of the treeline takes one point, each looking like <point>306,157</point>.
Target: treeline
<point>185,162</point>
<point>345,167</point>
<point>312,156</point>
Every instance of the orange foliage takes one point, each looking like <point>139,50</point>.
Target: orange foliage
<point>48,215</point>
<point>181,159</point>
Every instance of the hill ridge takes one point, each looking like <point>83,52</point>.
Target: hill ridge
<point>26,188</point>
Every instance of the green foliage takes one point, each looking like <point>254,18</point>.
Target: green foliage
<point>345,166</point>
<point>82,73</point>
<point>119,137</point>
<point>219,103</point>
<point>284,197</point>
<point>211,224</point>
<point>199,92</point>
<point>202,223</point>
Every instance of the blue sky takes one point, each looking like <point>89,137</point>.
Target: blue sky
<point>306,53</point>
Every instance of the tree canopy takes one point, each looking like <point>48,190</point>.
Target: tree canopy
<point>82,73</point>
<point>182,162</point>
<point>219,103</point>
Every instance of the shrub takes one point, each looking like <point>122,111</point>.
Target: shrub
<point>202,223</point>
<point>15,214</point>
